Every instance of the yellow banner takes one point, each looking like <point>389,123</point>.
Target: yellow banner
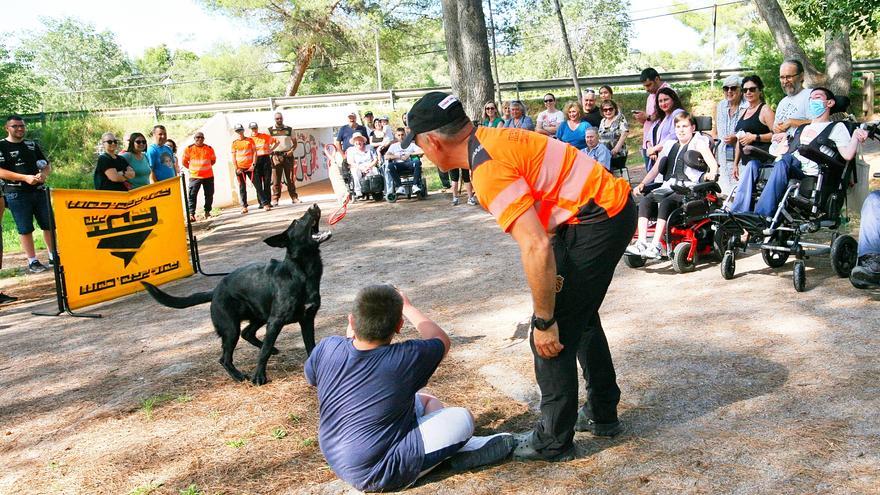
<point>109,241</point>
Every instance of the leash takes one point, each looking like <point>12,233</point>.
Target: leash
<point>340,212</point>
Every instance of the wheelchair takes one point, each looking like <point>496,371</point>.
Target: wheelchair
<point>807,206</point>
<point>372,186</point>
<point>689,234</point>
<point>407,181</point>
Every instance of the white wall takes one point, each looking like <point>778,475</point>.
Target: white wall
<point>315,128</point>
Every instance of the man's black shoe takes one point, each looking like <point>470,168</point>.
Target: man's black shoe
<point>585,423</point>
<point>866,275</point>
<point>5,298</point>
<point>523,451</point>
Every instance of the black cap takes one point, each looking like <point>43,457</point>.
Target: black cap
<point>368,114</point>
<point>432,111</point>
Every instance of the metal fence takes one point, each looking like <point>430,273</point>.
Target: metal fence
<point>392,96</point>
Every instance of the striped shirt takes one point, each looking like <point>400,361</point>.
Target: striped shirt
<point>514,170</point>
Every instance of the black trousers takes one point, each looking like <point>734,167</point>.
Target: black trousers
<point>194,185</point>
<point>586,256</point>
<point>262,179</point>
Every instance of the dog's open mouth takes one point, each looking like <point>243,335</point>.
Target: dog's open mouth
<point>320,237</point>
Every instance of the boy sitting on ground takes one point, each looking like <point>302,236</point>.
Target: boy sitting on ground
<point>376,432</point>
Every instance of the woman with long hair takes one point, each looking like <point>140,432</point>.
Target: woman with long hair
<point>490,115</point>
<point>667,107</point>
<point>755,122</point>
<point>136,156</point>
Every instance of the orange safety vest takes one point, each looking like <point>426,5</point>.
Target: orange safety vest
<point>199,160</point>
<point>263,142</point>
<point>243,151</point>
<point>515,169</point>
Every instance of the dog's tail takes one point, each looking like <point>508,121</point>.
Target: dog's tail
<point>178,302</point>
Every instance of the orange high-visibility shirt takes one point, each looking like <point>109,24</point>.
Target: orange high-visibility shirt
<point>263,142</point>
<point>515,169</point>
<point>244,151</point>
<point>199,160</point>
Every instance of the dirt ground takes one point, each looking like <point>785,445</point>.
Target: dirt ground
<point>740,386</point>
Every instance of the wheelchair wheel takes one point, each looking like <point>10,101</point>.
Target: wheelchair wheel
<point>844,255</point>
<point>774,259</point>
<point>680,262</point>
<point>633,261</point>
<point>728,265</point>
<point>424,192</point>
<point>799,276</point>
<point>392,197</point>
<point>377,196</point>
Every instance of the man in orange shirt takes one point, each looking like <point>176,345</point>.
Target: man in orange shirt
<point>262,177</point>
<point>572,221</point>
<point>199,159</point>
<point>244,156</point>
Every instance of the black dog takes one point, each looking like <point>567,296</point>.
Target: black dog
<point>272,294</point>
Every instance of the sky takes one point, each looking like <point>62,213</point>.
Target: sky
<point>185,24</point>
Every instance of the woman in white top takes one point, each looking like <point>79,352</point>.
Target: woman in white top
<point>362,160</point>
<point>673,168</point>
<point>727,114</point>
<point>550,118</point>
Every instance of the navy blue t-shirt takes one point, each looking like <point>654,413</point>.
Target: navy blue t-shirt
<point>345,133</point>
<point>367,428</point>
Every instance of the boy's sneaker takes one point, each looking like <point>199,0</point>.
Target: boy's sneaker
<point>416,189</point>
<point>523,451</point>
<point>472,201</point>
<point>480,451</point>
<point>5,298</point>
<point>36,267</point>
<point>637,249</point>
<point>585,423</point>
<point>652,252</point>
<point>401,191</point>
<point>455,201</point>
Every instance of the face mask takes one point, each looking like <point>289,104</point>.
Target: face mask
<point>817,108</point>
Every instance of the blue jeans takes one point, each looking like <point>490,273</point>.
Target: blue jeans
<point>787,167</point>
<point>742,202</point>
<point>869,229</point>
<point>397,168</point>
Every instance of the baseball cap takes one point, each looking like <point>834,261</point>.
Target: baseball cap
<point>253,125</point>
<point>368,114</point>
<point>732,80</point>
<point>432,111</point>
<point>238,127</point>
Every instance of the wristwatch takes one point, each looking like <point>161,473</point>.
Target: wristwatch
<point>542,324</point>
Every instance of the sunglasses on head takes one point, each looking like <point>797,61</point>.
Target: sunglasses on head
<point>750,89</point>
<point>111,141</point>
<point>730,88</point>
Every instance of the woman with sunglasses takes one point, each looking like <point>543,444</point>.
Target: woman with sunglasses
<point>666,108</point>
<point>112,172</point>
<point>613,130</point>
<point>727,114</point>
<point>490,115</point>
<point>754,123</point>
<point>518,117</point>
<point>136,156</point>
<point>550,119</point>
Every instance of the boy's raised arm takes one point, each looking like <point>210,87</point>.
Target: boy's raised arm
<point>426,327</point>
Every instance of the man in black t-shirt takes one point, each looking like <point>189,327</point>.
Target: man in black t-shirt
<point>24,169</point>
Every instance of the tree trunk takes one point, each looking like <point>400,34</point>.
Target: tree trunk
<point>574,72</point>
<point>838,62</point>
<point>470,69</point>
<point>786,41</point>
<point>303,59</point>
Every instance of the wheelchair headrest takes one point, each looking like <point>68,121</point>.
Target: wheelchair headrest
<point>694,160</point>
<point>704,123</point>
<point>841,103</point>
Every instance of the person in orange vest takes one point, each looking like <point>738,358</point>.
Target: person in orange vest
<point>262,177</point>
<point>199,159</point>
<point>572,220</point>
<point>244,156</point>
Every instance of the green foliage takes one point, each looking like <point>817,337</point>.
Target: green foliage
<point>146,489</point>
<point>71,56</point>
<point>235,444</point>
<point>17,91</point>
<point>191,490</point>
<point>860,17</point>
<point>278,433</point>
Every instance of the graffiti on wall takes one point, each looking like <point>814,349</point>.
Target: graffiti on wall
<point>306,159</point>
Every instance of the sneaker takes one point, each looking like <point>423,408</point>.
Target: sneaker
<point>472,201</point>
<point>36,267</point>
<point>523,450</point>
<point>455,201</point>
<point>480,451</point>
<point>586,423</point>
<point>866,275</point>
<point>637,249</point>
<point>416,189</point>
<point>401,190</point>
<point>6,298</point>
<point>652,252</point>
